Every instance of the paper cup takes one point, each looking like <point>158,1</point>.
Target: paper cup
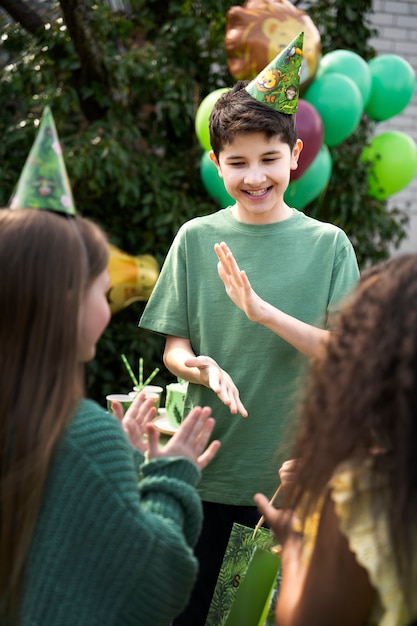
<point>151,391</point>
<point>124,398</point>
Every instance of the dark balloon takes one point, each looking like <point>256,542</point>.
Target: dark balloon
<point>310,131</point>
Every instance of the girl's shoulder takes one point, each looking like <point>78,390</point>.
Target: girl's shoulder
<point>92,420</point>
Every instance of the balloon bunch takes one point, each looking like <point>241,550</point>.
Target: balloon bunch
<point>344,88</point>
<point>391,156</point>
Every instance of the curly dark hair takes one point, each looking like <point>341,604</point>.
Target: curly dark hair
<point>361,397</point>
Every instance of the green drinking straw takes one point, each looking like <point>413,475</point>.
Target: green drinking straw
<point>150,377</point>
<point>130,371</point>
<point>141,372</point>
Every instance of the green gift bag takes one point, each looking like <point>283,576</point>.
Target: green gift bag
<point>248,581</point>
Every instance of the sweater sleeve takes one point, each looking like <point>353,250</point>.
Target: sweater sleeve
<point>165,478</point>
<point>109,544</point>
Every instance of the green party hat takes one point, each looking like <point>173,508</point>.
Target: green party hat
<point>43,183</point>
<point>278,85</point>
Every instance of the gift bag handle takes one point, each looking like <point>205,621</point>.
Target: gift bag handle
<point>261,521</point>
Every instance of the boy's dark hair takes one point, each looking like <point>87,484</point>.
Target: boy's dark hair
<point>238,112</point>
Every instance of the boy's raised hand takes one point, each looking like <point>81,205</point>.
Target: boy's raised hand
<point>237,284</point>
<point>190,440</point>
<point>217,379</point>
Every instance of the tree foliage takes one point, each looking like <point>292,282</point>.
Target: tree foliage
<point>124,88</point>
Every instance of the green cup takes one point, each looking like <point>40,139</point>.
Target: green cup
<point>124,398</point>
<point>151,391</point>
<point>175,403</point>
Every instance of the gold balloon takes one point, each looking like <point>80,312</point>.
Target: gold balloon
<point>260,29</point>
<point>132,278</point>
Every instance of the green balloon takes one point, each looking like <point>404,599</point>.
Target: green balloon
<point>339,103</point>
<point>392,162</point>
<point>203,115</point>
<point>212,182</point>
<point>310,185</point>
<point>349,64</point>
<point>392,88</point>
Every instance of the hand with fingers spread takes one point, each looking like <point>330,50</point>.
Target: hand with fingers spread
<point>302,336</point>
<point>190,440</point>
<point>140,413</point>
<point>217,379</point>
<point>237,284</point>
<point>280,521</point>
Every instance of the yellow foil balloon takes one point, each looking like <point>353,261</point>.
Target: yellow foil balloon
<point>260,29</point>
<point>132,278</point>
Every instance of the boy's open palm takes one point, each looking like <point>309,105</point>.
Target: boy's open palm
<point>217,379</point>
<point>237,284</point>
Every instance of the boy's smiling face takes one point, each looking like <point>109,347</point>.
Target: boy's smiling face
<point>256,173</point>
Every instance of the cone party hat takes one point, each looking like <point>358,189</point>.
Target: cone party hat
<point>278,85</point>
<point>43,183</point>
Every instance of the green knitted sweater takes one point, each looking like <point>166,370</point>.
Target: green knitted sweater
<point>113,541</point>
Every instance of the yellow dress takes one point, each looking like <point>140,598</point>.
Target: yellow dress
<point>369,541</point>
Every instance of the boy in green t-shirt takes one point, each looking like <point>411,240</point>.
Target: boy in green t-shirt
<point>301,267</point>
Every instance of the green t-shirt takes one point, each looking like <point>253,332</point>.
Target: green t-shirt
<point>300,265</point>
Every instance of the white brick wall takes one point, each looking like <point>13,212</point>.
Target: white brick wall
<point>397,26</point>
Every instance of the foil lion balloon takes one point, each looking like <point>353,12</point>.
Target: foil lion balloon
<point>257,31</point>
<point>132,278</point>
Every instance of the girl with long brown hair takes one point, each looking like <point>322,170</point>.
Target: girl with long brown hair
<point>348,525</point>
<point>90,532</point>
